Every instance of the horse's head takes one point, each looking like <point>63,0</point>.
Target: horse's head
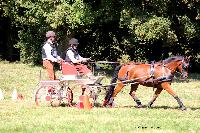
<point>183,67</point>
<point>178,64</point>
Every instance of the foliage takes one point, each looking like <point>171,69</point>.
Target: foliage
<point>157,28</point>
<point>107,29</point>
<point>124,59</point>
<point>34,18</point>
<point>189,28</point>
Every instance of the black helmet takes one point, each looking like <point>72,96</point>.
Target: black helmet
<point>73,41</point>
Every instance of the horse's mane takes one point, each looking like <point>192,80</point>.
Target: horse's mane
<point>165,61</point>
<point>174,58</point>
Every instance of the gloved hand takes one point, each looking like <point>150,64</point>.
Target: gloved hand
<point>88,59</point>
<point>84,60</point>
<point>60,61</point>
<point>54,60</point>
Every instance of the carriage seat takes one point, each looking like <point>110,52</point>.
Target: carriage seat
<point>69,72</point>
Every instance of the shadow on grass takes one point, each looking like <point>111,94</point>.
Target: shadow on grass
<point>159,107</point>
<point>145,106</point>
<point>167,107</point>
<point>99,105</point>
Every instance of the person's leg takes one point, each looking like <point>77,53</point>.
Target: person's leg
<point>49,66</point>
<point>83,70</point>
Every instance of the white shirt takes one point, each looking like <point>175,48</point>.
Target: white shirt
<point>47,48</point>
<point>73,59</point>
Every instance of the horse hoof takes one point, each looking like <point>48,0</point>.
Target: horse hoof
<point>105,103</point>
<point>183,108</point>
<point>139,106</point>
<point>149,106</point>
<point>108,106</point>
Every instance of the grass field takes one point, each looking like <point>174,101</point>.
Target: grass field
<point>25,116</point>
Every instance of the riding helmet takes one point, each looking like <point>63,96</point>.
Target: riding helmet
<point>50,34</point>
<point>73,41</point>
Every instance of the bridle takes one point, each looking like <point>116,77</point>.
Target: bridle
<point>184,66</point>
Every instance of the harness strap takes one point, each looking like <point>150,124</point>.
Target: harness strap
<point>165,78</point>
<point>163,65</point>
<point>162,78</point>
<point>152,70</point>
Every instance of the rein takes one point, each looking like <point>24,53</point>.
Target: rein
<point>125,81</point>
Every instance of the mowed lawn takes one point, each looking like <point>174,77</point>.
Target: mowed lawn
<point>25,116</point>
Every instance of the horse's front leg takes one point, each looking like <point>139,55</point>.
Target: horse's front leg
<point>133,95</point>
<point>168,88</point>
<point>156,94</point>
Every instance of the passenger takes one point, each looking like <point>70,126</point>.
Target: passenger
<point>73,57</point>
<point>50,55</point>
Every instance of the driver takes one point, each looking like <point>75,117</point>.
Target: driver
<point>73,57</point>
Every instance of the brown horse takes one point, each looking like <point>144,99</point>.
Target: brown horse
<point>158,75</point>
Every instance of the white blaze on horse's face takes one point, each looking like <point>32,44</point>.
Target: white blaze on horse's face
<point>183,68</point>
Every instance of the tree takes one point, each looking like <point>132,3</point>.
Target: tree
<point>143,30</point>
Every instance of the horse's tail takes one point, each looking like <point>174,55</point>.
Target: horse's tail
<point>112,87</point>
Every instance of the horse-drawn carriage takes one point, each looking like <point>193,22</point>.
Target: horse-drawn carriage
<point>158,75</point>
<point>59,92</point>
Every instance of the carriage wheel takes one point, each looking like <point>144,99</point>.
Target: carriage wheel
<point>47,96</point>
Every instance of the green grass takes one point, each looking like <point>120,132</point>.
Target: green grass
<point>25,116</point>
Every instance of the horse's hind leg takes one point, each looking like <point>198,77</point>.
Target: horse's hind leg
<point>168,88</point>
<point>117,89</point>
<point>133,95</point>
<point>156,94</point>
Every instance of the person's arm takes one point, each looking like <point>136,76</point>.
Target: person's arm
<point>48,49</point>
<point>83,59</point>
<point>80,57</point>
<point>71,57</point>
<point>57,54</point>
